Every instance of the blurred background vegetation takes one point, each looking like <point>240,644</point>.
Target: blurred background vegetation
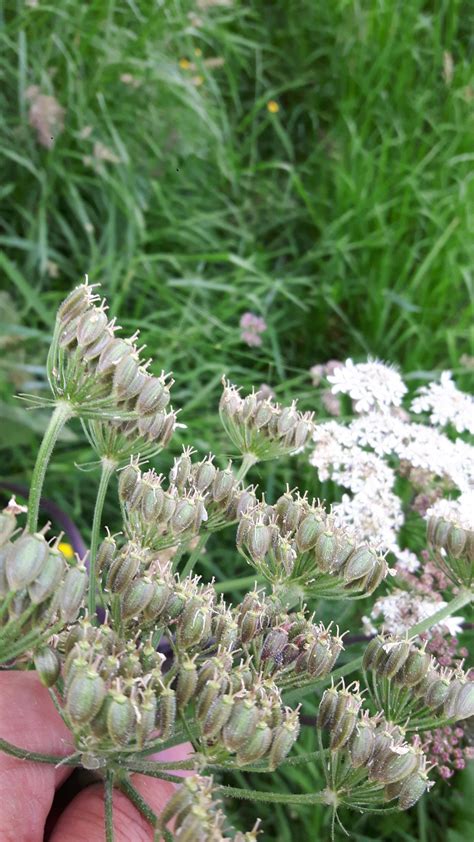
<point>310,162</point>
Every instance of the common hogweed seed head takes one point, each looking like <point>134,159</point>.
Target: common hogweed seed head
<point>71,593</point>
<point>47,665</point>
<point>25,560</point>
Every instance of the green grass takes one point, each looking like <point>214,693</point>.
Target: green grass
<point>346,219</point>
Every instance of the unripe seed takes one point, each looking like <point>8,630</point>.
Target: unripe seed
<point>371,652</point>
<point>85,695</point>
<point>223,485</point>
<point>175,604</point>
<point>395,767</point>
<point>158,600</point>
<point>154,396</point>
<point>412,789</point>
<point>146,722</point>
<point>125,375</point>
<point>373,579</point>
<point>284,737</point>
<point>128,480</point>
<point>94,350</point>
<point>342,729</point>
<point>205,475</point>
<point>207,697</point>
<point>263,414</point>
<point>183,516</point>
<point>7,526</point>
<point>397,655</point>
<point>441,533</point>
<point>257,746</point>
<point>437,693</point>
<point>414,669</point>
<point>456,541</point>
<point>181,471</point>
<point>49,578</point>
<point>460,701</point>
<point>241,725</point>
<point>319,658</point>
<point>194,627</point>
<point>259,540</point>
<point>121,718</point>
<point>186,684</point>
<point>136,598</point>
<point>324,551</point>
<point>47,665</point>
<point>113,352</point>
<point>274,644</point>
<point>122,570</point>
<point>74,304</point>
<point>287,420</point>
<point>245,502</point>
<point>25,560</point>
<point>359,564</point>
<point>308,531</point>
<point>362,744</point>
<point>91,326</point>
<point>72,593</point>
<point>105,554</point>
<point>302,433</point>
<point>167,713</point>
<point>217,716</point>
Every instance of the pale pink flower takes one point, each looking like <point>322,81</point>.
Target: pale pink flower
<point>46,116</point>
<point>251,328</point>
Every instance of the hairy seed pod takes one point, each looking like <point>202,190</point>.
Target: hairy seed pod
<point>414,669</point>
<point>105,554</point>
<point>121,718</point>
<point>460,701</point>
<point>74,304</point>
<point>136,598</point>
<point>49,578</point>
<point>91,326</point>
<point>308,531</point>
<point>157,603</point>
<point>284,737</point>
<point>146,717</point>
<point>122,570</point>
<point>412,789</point>
<point>263,414</point>
<point>204,475</point>
<point>342,730</point>
<point>319,658</point>
<point>25,560</point>
<point>7,526</point>
<point>287,420</point>
<point>113,352</point>
<point>362,743</point>
<point>71,593</point>
<point>373,579</point>
<point>125,374</point>
<point>441,532</point>
<point>395,656</point>
<point>437,693</point>
<point>274,644</point>
<point>85,695</point>
<point>217,716</point>
<point>181,471</point>
<point>359,564</point>
<point>324,551</point>
<point>175,604</point>
<point>241,725</point>
<point>186,683</point>
<point>372,651</point>
<point>154,396</point>
<point>395,767</point>
<point>167,713</point>
<point>47,665</point>
<point>94,349</point>
<point>246,501</point>
<point>180,802</point>
<point>223,485</point>
<point>302,433</point>
<point>257,746</point>
<point>128,480</point>
<point>258,541</point>
<point>194,626</point>
<point>456,541</point>
<point>183,515</point>
<point>206,698</point>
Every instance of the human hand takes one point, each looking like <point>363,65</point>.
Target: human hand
<point>29,720</point>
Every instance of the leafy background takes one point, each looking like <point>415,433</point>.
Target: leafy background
<point>345,219</point>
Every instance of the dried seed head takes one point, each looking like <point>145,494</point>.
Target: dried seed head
<point>72,593</point>
<point>25,560</point>
<point>47,665</point>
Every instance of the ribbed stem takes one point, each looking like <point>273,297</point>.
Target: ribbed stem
<point>272,797</point>
<point>108,806</point>
<point>61,414</point>
<point>108,468</point>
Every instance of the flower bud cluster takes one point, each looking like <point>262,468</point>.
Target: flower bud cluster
<point>259,427</point>
<point>103,376</point>
<point>453,548</point>
<point>435,692</point>
<point>197,816</point>
<point>373,746</point>
<point>297,542</point>
<point>38,587</point>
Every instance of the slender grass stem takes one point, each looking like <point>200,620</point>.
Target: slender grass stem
<point>62,413</point>
<point>108,468</point>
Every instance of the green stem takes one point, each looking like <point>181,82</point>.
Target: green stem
<point>194,555</point>
<point>61,414</point>
<point>248,461</point>
<point>108,468</point>
<point>237,584</point>
<point>271,797</point>
<point>108,806</point>
<point>24,754</point>
<point>137,800</point>
<point>150,769</point>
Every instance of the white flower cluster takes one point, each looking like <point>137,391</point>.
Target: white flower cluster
<point>355,456</point>
<point>460,511</point>
<point>402,609</point>
<point>372,385</point>
<point>446,404</point>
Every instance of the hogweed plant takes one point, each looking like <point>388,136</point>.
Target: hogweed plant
<point>94,628</point>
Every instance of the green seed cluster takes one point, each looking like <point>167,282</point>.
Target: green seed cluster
<point>197,814</point>
<point>261,428</point>
<point>378,763</point>
<point>296,542</point>
<point>453,549</point>
<point>428,688</point>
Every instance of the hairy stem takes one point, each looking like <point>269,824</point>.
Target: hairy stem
<point>271,797</point>
<point>108,805</point>
<point>194,555</point>
<point>61,414</point>
<point>139,802</point>
<point>247,462</point>
<point>107,470</point>
<point>24,754</point>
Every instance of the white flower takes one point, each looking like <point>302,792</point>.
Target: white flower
<point>401,610</point>
<point>460,511</point>
<point>372,385</point>
<point>447,404</point>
